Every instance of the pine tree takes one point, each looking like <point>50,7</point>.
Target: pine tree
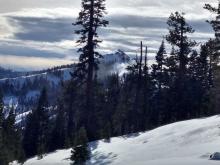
<point>182,47</point>
<point>80,151</point>
<point>3,158</point>
<point>90,19</point>
<point>214,54</point>
<point>109,105</point>
<point>205,66</point>
<point>43,129</point>
<point>136,71</point>
<point>146,96</point>
<point>107,131</point>
<point>19,151</point>
<point>178,30</point>
<point>36,136</point>
<point>137,109</point>
<point>13,138</point>
<point>215,24</point>
<point>159,75</point>
<point>31,135</point>
<point>171,68</point>
<point>72,104</point>
<point>158,68</point>
<point>10,134</point>
<point>59,132</point>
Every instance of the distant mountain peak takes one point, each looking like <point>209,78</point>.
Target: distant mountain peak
<point>118,57</point>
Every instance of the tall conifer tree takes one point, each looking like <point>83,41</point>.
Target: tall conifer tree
<point>177,37</point>
<point>90,19</point>
<point>182,47</point>
<point>158,68</point>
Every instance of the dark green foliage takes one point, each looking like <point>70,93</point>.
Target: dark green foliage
<point>73,104</point>
<point>160,75</point>
<point>215,10</point>
<point>178,64</point>
<point>10,137</point>
<point>106,132</point>
<point>214,54</point>
<point>158,69</point>
<point>58,134</point>
<point>134,102</point>
<point>80,151</point>
<point>90,20</point>
<point>30,136</point>
<point>3,156</point>
<point>178,31</point>
<point>37,128</point>
<point>43,124</point>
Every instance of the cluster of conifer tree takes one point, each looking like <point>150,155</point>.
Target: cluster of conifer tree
<point>178,86</point>
<point>10,137</point>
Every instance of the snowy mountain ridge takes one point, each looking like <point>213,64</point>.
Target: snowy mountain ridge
<point>184,143</point>
<point>119,57</point>
<point>22,91</point>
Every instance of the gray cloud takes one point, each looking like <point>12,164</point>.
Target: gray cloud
<point>12,5</point>
<point>128,21</point>
<point>138,20</point>
<point>54,30</point>
<point>124,32</point>
<point>18,50</point>
<point>43,29</point>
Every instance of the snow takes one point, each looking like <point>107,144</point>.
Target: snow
<point>32,94</point>
<point>121,69</point>
<point>67,74</point>
<point>49,76</point>
<point>19,118</point>
<point>188,142</point>
<point>10,101</point>
<point>118,57</point>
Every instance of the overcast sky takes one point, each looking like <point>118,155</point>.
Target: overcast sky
<point>37,34</point>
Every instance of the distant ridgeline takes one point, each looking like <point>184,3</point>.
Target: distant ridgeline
<point>22,89</point>
<point>7,73</point>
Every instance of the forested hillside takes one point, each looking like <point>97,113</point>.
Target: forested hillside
<point>103,96</point>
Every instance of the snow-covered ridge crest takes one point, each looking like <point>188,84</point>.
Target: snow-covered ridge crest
<point>118,57</point>
<point>47,75</point>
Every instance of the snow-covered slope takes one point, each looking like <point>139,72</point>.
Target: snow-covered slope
<point>22,92</point>
<point>183,143</point>
<point>50,76</point>
<point>116,62</point>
